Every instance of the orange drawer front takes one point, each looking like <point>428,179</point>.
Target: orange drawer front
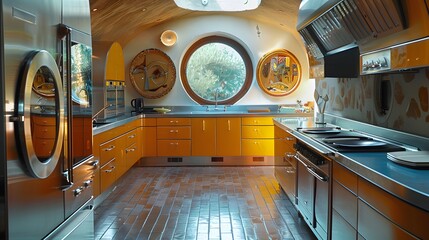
<point>173,133</point>
<point>43,147</point>
<point>108,151</point>
<point>173,121</point>
<point>268,121</point>
<point>131,137</point>
<point>107,175</point>
<point>257,147</point>
<point>132,155</point>
<point>44,131</point>
<point>174,148</point>
<point>257,132</point>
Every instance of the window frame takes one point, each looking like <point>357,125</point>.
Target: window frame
<point>237,47</point>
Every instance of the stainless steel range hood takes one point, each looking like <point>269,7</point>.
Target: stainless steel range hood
<point>332,27</point>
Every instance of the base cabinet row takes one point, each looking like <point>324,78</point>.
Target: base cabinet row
<point>362,210</point>
<point>120,148</point>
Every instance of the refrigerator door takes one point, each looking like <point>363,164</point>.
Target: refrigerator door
<point>34,197</point>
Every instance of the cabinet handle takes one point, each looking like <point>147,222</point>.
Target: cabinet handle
<point>255,130</point>
<point>132,136</point>
<point>174,121</point>
<point>204,125</point>
<point>174,131</point>
<point>176,144</point>
<point>87,183</point>
<point>110,170</point>
<point>130,150</point>
<point>289,138</point>
<point>109,148</point>
<point>77,191</point>
<point>229,125</point>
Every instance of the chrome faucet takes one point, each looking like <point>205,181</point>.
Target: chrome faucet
<point>98,113</point>
<point>216,96</point>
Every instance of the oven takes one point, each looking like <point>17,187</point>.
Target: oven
<point>313,188</point>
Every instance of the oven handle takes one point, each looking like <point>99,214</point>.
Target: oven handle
<point>309,169</point>
<point>316,175</point>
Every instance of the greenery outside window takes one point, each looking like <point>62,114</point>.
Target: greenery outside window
<point>216,70</point>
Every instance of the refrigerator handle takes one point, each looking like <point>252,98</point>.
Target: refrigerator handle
<point>65,32</point>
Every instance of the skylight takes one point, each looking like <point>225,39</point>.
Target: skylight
<point>218,5</point>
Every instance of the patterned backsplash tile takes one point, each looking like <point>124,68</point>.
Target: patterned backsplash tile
<point>398,101</point>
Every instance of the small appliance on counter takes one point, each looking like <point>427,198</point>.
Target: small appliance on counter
<point>138,105</point>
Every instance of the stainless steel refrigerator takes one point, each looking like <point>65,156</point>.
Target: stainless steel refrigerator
<point>47,177</point>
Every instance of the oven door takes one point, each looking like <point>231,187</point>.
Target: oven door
<point>39,117</point>
<point>313,194</point>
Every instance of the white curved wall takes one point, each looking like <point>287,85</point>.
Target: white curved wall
<point>242,30</point>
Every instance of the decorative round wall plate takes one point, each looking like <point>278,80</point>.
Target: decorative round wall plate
<point>152,73</point>
<point>278,73</point>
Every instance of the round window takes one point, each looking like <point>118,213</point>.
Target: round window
<point>216,70</point>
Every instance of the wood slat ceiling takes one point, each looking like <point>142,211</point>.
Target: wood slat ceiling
<point>121,20</point>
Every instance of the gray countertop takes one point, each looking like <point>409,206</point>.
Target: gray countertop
<point>129,117</point>
<point>409,184</point>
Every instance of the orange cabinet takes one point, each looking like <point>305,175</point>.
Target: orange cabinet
<point>115,67</point>
<point>148,137</point>
<point>173,137</point>
<point>257,136</point>
<point>203,136</point>
<point>257,147</point>
<point>107,175</point>
<point>43,130</point>
<point>174,148</point>
<point>228,136</point>
<point>175,132</point>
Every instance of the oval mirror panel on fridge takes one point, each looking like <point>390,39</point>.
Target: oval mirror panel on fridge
<point>40,111</point>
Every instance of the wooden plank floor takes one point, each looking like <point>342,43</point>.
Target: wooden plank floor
<point>199,203</point>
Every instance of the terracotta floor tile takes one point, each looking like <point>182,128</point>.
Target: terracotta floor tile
<point>199,203</point>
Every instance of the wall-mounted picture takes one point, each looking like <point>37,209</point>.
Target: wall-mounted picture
<point>278,73</point>
<point>152,73</point>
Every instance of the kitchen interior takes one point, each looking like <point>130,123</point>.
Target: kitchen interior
<point>213,119</point>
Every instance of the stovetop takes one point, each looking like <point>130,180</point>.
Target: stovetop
<point>345,140</point>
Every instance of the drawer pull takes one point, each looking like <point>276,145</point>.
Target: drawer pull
<point>174,131</point>
<point>204,125</point>
<point>110,170</point>
<point>87,183</point>
<point>289,138</point>
<point>174,121</point>
<point>132,136</point>
<point>255,130</point>
<point>176,143</point>
<point>130,150</point>
<point>109,148</point>
<point>229,125</point>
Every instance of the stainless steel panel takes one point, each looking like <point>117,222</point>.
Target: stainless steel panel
<point>82,190</point>
<point>80,225</point>
<point>76,15</point>
<point>35,206</point>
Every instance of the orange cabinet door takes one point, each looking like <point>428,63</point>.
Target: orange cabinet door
<point>108,175</point>
<point>149,142</point>
<point>203,136</point>
<point>228,136</point>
